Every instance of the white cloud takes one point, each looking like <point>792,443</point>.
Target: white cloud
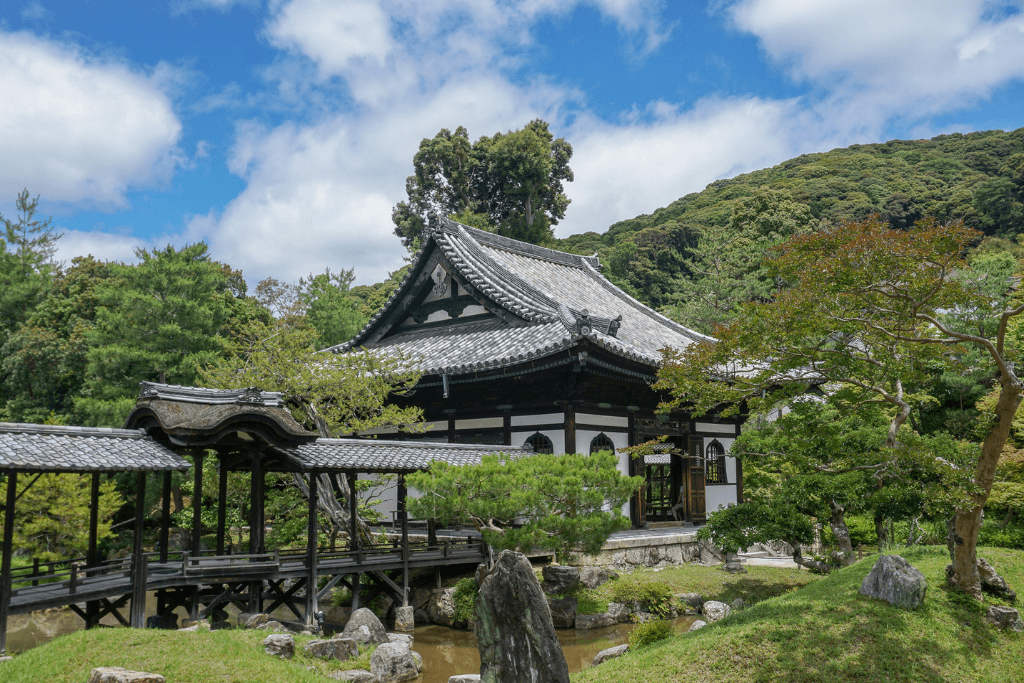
<point>34,11</point>
<point>80,129</point>
<point>105,246</point>
<point>904,56</point>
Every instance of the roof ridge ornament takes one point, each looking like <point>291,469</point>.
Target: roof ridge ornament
<point>581,323</point>
<point>244,396</point>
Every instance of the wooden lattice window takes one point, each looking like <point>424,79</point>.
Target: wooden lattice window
<point>601,443</point>
<point>715,460</point>
<point>540,443</point>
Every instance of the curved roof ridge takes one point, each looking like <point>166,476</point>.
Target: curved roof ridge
<point>499,277</point>
<point>426,445</point>
<point>526,249</point>
<point>646,310</point>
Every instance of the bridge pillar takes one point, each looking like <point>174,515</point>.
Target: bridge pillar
<point>5,561</point>
<point>197,501</point>
<point>137,615</point>
<point>165,517</point>
<point>312,530</point>
<point>222,505</point>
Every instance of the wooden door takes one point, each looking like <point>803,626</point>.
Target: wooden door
<point>695,486</point>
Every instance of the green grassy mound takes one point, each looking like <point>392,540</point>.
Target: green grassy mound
<point>826,631</point>
<point>227,656</point>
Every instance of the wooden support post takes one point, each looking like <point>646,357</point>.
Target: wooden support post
<point>404,515</point>
<point>353,505</point>
<point>355,592</point>
<point>570,429</point>
<point>222,506</point>
<point>431,532</point>
<point>137,615</point>
<point>506,427</point>
<point>165,516</point>
<point>5,561</point>
<point>91,557</point>
<point>254,494</point>
<point>739,480</point>
<point>311,552</point>
<point>197,502</point>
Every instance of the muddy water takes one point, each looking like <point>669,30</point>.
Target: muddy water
<point>445,651</point>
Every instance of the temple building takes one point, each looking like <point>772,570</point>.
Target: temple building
<point>524,345</point>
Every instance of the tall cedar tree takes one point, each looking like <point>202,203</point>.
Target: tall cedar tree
<point>869,307</point>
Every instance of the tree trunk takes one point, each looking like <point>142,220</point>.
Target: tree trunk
<point>837,522</point>
<point>968,521</point>
<point>882,531</point>
<point>810,563</point>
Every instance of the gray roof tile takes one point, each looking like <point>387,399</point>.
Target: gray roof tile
<point>55,448</point>
<point>376,455</point>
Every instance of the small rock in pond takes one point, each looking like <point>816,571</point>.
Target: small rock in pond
<point>116,674</point>
<point>699,624</point>
<point>619,612</point>
<point>405,619</point>
<point>563,611</point>
<point>419,659</point>
<point>586,622</point>
<point>610,653</point>
<point>405,638</point>
<point>279,645</point>
<point>464,678</point>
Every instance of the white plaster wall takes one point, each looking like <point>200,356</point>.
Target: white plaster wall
<point>388,498</point>
<point>620,439</point>
<point>542,419</point>
<point>719,496</point>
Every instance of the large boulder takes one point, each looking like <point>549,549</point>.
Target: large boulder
<point>355,676</point>
<point>115,674</point>
<point>247,620</point>
<point>441,608</point>
<point>513,626</point>
<point>559,579</point>
<point>585,622</point>
<point>364,627</point>
<point>1005,618</point>
<point>592,577</point>
<point>894,580</point>
<point>279,645</point>
<point>563,611</point>
<point>620,612</point>
<point>610,653</point>
<point>713,611</point>
<point>392,662</point>
<point>347,645</point>
<point>690,602</point>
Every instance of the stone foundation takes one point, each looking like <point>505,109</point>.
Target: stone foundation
<point>649,550</point>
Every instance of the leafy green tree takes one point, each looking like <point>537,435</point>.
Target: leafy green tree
<point>26,264</point>
<point>509,183</point>
<point>868,309</point>
<point>728,262</point>
<point>650,263</point>
<point>330,306</point>
<point>44,361</point>
<point>160,321</point>
<point>51,521</point>
<point>570,503</point>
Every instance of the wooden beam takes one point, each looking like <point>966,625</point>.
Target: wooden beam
<point>165,516</point>
<point>197,501</point>
<point>222,505</point>
<point>91,560</point>
<point>5,562</point>
<point>570,429</point>
<point>312,602</point>
<point>404,515</point>
<point>137,613</point>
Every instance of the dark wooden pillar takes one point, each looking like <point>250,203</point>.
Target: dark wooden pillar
<point>5,561</point>
<point>197,501</point>
<point>165,516</point>
<point>739,480</point>
<point>255,503</point>
<point>137,616</point>
<point>353,534</point>
<point>634,500</point>
<point>92,558</point>
<point>222,505</point>
<point>404,517</point>
<point>570,429</point>
<point>312,532</point>
<point>506,426</point>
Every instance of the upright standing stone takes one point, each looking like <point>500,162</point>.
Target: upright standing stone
<point>513,626</point>
<point>893,579</point>
<point>364,627</point>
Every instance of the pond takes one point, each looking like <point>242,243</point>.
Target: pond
<point>446,652</point>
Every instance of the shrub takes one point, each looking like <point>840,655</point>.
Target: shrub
<point>656,595</point>
<point>463,598</point>
<point>588,601</point>
<point>1010,536</point>
<point>648,633</point>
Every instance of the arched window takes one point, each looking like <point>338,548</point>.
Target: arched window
<point>600,443</point>
<point>715,463</point>
<point>540,443</point>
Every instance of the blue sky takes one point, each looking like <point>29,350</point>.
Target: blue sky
<point>281,132</point>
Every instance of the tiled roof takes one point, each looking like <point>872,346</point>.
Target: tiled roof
<point>374,455</point>
<point>174,392</point>
<point>51,448</point>
<point>558,297</point>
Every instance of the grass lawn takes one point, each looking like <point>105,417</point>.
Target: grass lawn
<point>826,631</point>
<point>228,656</point>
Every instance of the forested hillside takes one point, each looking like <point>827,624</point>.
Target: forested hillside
<point>978,177</point>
